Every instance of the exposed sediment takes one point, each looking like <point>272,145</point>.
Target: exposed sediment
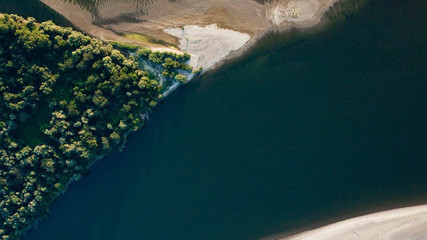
<point>209,44</point>
<point>399,224</point>
<point>157,24</point>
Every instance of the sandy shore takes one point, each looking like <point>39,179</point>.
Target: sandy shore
<point>212,28</point>
<point>399,224</point>
<point>298,13</point>
<point>208,45</point>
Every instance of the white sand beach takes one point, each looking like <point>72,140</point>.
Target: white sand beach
<point>408,223</point>
<point>208,45</point>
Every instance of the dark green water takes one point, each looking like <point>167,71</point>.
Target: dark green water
<point>296,133</point>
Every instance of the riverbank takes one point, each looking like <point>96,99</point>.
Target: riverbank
<point>404,223</point>
<point>210,30</point>
<point>290,135</point>
<point>208,45</point>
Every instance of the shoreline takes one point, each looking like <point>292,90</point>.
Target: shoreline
<point>395,224</point>
<point>215,65</point>
<point>322,22</point>
<point>230,41</point>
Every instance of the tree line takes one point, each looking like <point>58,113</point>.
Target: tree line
<point>65,99</point>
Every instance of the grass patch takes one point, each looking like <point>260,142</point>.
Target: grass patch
<point>142,38</point>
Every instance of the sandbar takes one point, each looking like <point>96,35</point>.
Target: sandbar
<point>208,29</point>
<point>408,223</point>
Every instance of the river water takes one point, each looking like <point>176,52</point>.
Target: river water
<point>305,129</point>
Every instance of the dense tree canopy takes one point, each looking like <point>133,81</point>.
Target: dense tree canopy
<point>65,99</point>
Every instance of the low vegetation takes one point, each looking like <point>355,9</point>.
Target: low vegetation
<point>171,63</point>
<point>173,67</point>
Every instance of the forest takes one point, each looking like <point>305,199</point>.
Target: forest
<point>66,99</point>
